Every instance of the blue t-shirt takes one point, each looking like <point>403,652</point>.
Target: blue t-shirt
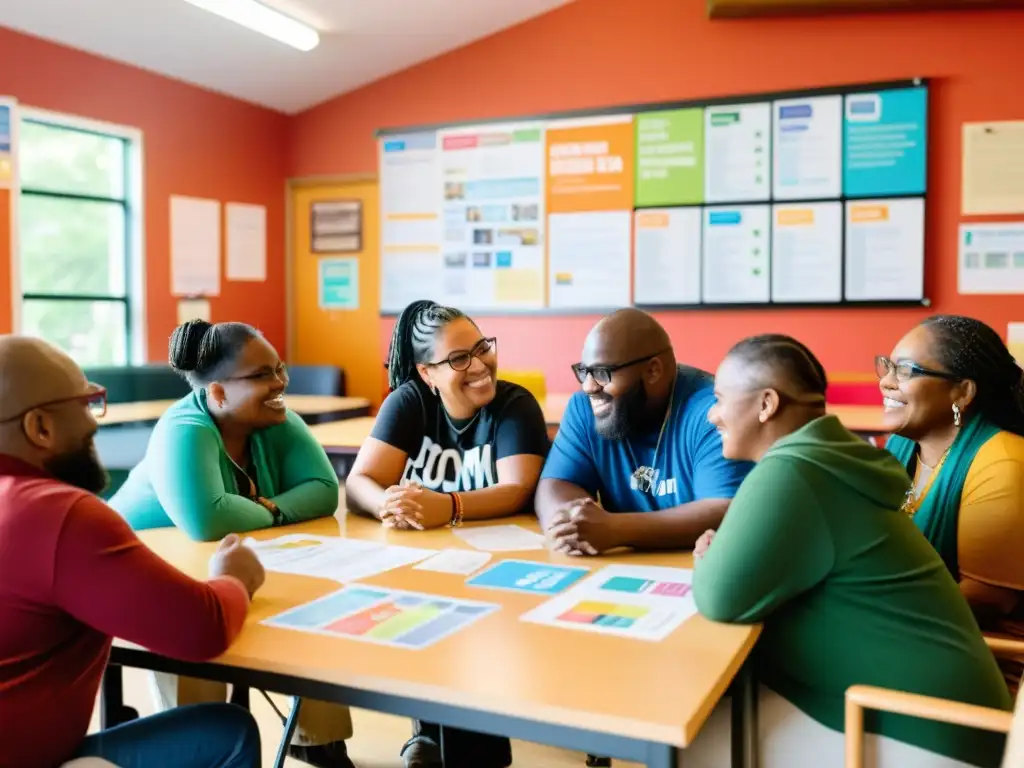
<point>689,465</point>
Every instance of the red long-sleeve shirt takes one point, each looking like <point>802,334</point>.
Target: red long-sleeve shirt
<point>72,576</point>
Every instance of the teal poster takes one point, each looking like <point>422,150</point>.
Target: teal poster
<point>339,283</point>
<point>885,143</point>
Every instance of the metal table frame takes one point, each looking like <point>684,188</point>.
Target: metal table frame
<point>651,754</point>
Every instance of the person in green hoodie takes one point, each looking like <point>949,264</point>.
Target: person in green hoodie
<point>848,590</point>
<point>231,458</point>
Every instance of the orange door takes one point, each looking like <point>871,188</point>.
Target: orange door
<point>348,338</point>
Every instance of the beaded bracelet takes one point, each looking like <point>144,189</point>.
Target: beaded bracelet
<point>457,511</point>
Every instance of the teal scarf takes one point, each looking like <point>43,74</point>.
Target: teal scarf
<point>938,513</point>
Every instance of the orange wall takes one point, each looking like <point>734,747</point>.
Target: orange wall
<point>196,143</point>
<point>595,53</point>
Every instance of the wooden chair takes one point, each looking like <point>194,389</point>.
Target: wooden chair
<point>861,697</point>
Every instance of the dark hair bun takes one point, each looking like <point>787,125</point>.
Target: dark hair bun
<point>184,351</point>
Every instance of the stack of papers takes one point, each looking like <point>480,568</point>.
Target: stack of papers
<point>329,557</point>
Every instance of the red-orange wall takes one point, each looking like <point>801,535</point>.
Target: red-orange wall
<point>595,53</point>
<point>196,143</point>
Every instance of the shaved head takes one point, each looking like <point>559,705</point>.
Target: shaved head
<point>45,418</point>
<point>624,335</point>
<point>33,372</point>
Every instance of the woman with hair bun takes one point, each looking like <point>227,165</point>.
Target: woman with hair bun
<point>954,399</point>
<point>450,443</point>
<point>231,458</point>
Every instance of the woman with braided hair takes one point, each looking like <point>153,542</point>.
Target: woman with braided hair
<point>450,443</point>
<point>954,401</point>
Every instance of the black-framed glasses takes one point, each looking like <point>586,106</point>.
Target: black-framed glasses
<point>280,372</point>
<point>95,399</point>
<point>461,359</point>
<point>906,370</point>
<point>603,373</point>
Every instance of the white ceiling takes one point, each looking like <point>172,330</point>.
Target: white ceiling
<point>361,40</point>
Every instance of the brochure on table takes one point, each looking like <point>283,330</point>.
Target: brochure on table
<point>768,199</point>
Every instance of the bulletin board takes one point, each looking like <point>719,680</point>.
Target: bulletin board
<point>811,198</point>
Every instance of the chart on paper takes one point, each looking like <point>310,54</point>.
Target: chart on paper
<point>383,616</point>
<point>641,602</point>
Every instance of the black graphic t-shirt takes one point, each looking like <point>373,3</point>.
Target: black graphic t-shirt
<point>447,454</point>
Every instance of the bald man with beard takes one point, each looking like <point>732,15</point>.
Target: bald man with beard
<point>636,462</point>
<point>73,575</point>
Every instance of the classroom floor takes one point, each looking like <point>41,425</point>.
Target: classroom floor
<point>377,737</point>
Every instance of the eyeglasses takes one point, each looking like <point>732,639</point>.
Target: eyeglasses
<point>265,375</point>
<point>603,373</point>
<point>907,369</point>
<point>461,360</point>
<point>95,399</point>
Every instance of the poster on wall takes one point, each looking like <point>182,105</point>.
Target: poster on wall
<point>336,226</point>
<point>666,267</point>
<point>991,258</point>
<point>6,163</point>
<point>737,147</point>
<point>493,216</point>
<point>410,201</point>
<point>885,250</point>
<point>807,252</point>
<point>338,282</point>
<point>807,148</point>
<point>885,143</point>
<point>670,158</point>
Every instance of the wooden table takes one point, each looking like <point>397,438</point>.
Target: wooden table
<point>862,419</point>
<point>305,405</point>
<point>627,699</point>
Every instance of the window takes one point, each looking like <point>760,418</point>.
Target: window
<point>77,239</point>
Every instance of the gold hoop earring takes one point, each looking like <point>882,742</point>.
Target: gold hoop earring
<point>956,415</point>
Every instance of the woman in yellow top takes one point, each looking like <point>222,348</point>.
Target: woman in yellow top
<point>954,399</point>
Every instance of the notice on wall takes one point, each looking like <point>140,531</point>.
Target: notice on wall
<point>993,168</point>
<point>195,246</point>
<point>589,257</point>
<point>737,147</point>
<point>807,252</point>
<point>885,143</point>
<point>735,263</point>
<point>590,164</point>
<point>246,241</point>
<point>193,309</point>
<point>991,258</point>
<point>338,282</point>
<point>6,139</point>
<point>493,216</point>
<point>666,267</point>
<point>885,250</point>
<point>807,148</point>
<point>670,157</point>
<point>410,180</point>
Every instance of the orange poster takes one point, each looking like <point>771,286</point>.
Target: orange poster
<point>590,164</point>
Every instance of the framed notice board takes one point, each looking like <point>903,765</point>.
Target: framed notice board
<point>809,198</point>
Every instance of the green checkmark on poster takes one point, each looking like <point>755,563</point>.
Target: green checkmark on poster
<point>670,157</point>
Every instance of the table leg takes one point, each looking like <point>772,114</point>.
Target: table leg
<point>744,719</point>
<point>113,712</point>
<point>289,731</point>
<point>240,696</point>
<point>662,756</point>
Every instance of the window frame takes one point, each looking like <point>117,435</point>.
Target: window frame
<point>131,203</point>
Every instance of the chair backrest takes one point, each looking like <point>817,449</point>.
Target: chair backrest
<point>531,380</point>
<point>138,383</point>
<point>316,380</point>
<point>1014,757</point>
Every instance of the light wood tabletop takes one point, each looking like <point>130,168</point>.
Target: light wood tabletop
<point>343,436</point>
<point>304,405</point>
<point>659,692</point>
<point>857,418</point>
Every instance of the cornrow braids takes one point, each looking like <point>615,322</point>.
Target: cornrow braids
<point>970,349</point>
<point>412,341</point>
<point>784,355</point>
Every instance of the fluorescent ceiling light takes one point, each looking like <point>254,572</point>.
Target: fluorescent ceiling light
<point>263,19</point>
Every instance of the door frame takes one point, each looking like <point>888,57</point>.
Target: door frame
<point>290,186</point>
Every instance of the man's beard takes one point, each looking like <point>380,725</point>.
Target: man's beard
<point>80,468</point>
<point>626,415</point>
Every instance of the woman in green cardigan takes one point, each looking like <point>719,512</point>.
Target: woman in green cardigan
<point>848,590</point>
<point>231,458</point>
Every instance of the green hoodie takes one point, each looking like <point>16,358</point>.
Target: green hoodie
<point>849,591</point>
